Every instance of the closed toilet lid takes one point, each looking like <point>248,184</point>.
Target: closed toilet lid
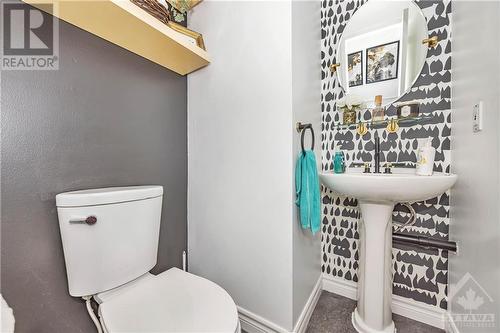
<point>173,301</point>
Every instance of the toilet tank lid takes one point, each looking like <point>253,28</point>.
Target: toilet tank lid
<point>108,195</point>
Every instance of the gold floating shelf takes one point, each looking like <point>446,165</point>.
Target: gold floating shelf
<point>123,23</point>
<point>391,124</point>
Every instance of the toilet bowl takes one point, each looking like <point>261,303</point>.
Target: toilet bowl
<point>173,301</point>
<point>110,242</point>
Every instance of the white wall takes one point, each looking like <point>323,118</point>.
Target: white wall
<point>475,220</point>
<point>306,87</point>
<point>241,230</point>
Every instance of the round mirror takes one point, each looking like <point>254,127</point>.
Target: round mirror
<point>381,50</point>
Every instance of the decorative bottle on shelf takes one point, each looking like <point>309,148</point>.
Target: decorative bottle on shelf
<point>378,112</point>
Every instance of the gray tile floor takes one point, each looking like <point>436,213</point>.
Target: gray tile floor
<point>333,315</point>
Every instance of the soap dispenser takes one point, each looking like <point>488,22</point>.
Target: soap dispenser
<point>425,158</point>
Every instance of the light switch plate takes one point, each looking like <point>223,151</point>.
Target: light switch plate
<point>477,117</point>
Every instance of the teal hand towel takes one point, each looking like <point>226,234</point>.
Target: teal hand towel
<point>307,191</point>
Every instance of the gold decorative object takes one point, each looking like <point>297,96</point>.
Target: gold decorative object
<point>431,41</point>
<point>333,67</point>
<point>362,129</point>
<point>190,33</point>
<point>392,126</point>
<point>349,117</point>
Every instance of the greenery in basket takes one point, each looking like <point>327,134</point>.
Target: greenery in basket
<point>178,9</point>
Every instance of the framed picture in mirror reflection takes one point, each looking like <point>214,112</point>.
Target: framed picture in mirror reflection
<point>382,62</point>
<point>355,68</point>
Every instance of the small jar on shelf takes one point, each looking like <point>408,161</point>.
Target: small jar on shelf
<point>350,105</point>
<point>348,117</point>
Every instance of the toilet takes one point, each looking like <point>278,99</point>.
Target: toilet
<point>110,242</point>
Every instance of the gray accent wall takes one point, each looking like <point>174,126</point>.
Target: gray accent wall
<point>106,118</point>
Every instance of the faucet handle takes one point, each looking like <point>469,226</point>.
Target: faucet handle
<point>367,167</point>
<point>388,168</point>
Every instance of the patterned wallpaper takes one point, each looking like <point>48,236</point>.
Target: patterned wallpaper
<point>419,274</point>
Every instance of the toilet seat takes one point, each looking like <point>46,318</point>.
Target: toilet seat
<point>173,301</point>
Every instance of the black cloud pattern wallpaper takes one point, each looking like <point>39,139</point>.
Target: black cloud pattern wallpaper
<point>419,274</point>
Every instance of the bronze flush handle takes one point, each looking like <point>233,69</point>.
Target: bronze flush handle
<point>89,220</point>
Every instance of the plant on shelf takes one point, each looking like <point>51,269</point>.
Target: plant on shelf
<point>349,105</point>
<point>173,14</point>
<point>180,8</point>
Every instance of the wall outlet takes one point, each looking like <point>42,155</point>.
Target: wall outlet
<point>477,117</point>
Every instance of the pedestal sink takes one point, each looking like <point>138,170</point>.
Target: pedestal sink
<point>377,194</point>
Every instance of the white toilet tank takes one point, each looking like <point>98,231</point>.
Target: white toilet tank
<point>109,235</point>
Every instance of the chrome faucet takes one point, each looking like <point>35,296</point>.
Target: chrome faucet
<point>376,156</point>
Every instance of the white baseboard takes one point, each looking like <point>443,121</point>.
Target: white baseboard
<point>305,316</point>
<point>450,327</point>
<point>424,313</point>
<point>418,311</point>
<point>253,323</point>
<point>340,286</point>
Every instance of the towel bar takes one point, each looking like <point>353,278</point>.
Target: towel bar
<point>301,128</point>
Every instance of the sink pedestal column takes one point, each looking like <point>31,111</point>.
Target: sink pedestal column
<point>373,313</point>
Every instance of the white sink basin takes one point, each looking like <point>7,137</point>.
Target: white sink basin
<point>403,185</point>
<point>377,194</point>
